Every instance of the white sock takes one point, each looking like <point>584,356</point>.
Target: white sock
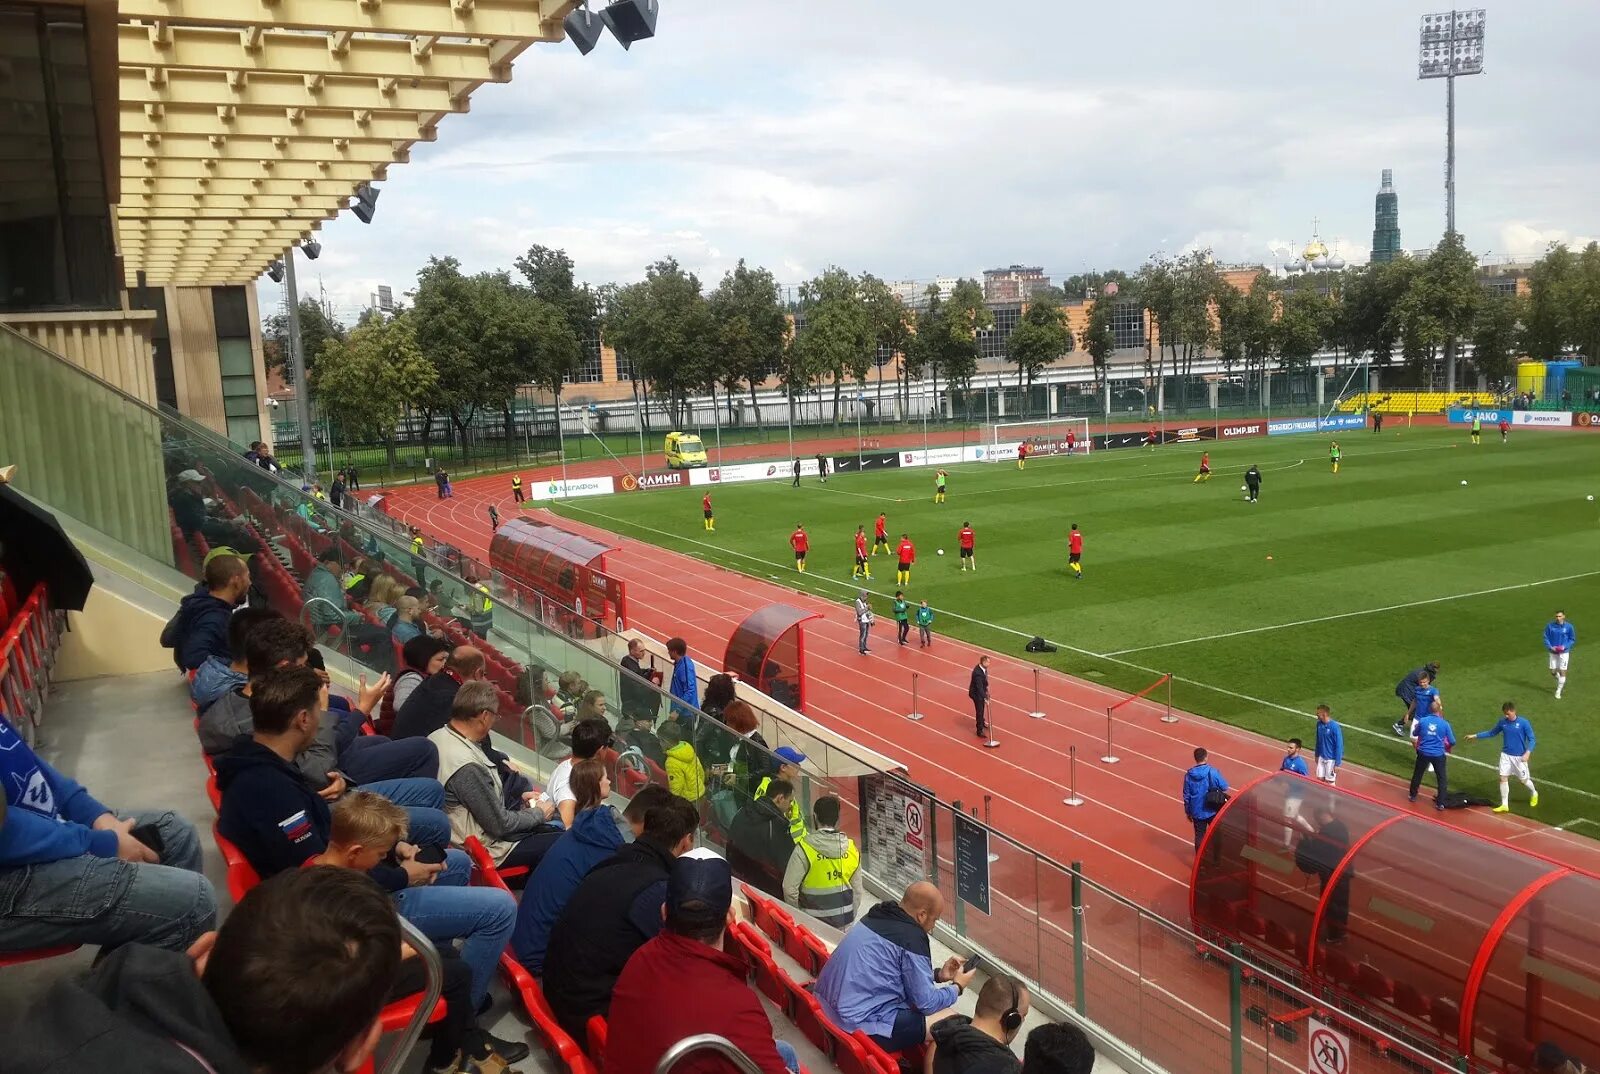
<point>1505,793</point>
<point>1528,783</point>
<point>1561,682</point>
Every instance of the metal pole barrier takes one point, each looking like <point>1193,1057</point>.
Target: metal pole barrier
<point>993,742</point>
<point>1038,712</point>
<point>1169,717</point>
<point>1236,1007</point>
<point>916,709</point>
<point>1079,1000</point>
<point>1072,778</point>
<point>1110,757</point>
<point>988,822</point>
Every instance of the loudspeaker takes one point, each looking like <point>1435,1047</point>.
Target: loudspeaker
<point>583,29</point>
<point>366,202</point>
<point>631,20</point>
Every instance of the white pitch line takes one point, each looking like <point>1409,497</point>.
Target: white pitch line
<point>1353,615</point>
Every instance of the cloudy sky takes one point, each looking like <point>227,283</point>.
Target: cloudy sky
<point>936,137</point>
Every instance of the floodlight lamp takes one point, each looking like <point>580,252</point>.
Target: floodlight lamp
<point>366,202</point>
<point>583,28</point>
<point>311,248</point>
<point>631,20</point>
<point>275,271</point>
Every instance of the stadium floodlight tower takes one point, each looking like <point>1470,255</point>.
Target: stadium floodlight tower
<point>1451,44</point>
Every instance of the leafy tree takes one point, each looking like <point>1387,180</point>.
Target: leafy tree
<point>1048,293</point>
<point>366,382</point>
<point>541,347</point>
<point>1439,306</point>
<point>665,328</point>
<point>1179,294</point>
<point>1551,283</point>
<point>1368,300</point>
<point>1098,337</point>
<point>964,315</point>
<point>1040,338</point>
<point>1245,325</point>
<point>1080,285</point>
<point>891,328</point>
<point>751,330</point>
<point>1302,326</point>
<point>317,327</point>
<point>838,339</point>
<point>1496,334</point>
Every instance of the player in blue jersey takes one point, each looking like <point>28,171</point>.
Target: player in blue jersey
<point>1516,749</point>
<point>1295,793</point>
<point>1433,740</point>
<point>1423,695</point>
<point>1559,638</point>
<point>1406,691</point>
<point>1330,746</point>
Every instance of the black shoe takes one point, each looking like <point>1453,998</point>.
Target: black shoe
<point>511,1051</point>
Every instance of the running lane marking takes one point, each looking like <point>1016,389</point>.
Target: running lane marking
<point>1352,615</point>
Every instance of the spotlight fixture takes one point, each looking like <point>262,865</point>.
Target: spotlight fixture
<point>311,248</point>
<point>583,29</point>
<point>631,20</point>
<point>275,271</point>
<point>366,202</point>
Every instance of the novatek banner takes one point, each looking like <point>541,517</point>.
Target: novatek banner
<point>1244,428</point>
<point>1587,419</point>
<point>1189,435</point>
<point>666,479</point>
<point>1109,441</point>
<point>577,486</point>
<point>876,460</point>
<point>1316,425</point>
<point>992,452</point>
<point>1547,418</point>
<point>1463,416</point>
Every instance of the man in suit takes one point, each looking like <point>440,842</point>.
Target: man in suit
<point>978,690</point>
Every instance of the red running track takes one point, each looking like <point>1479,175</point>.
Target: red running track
<point>1131,834</point>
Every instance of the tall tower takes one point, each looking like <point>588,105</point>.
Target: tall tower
<point>1386,221</point>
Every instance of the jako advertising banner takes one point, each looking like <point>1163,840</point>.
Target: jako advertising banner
<point>666,479</point>
<point>1315,425</point>
<point>1462,416</point>
<point>577,486</point>
<point>1548,418</point>
<point>1246,428</point>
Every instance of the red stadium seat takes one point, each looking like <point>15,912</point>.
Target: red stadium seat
<point>597,1038</point>
<point>1336,965</point>
<point>1370,981</point>
<point>806,1014</point>
<point>1280,937</point>
<point>1408,999</point>
<point>1445,1014</point>
<point>242,875</point>
<point>1252,924</point>
<point>484,865</point>
<point>37,954</point>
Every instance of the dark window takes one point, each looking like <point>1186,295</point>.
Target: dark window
<point>154,298</point>
<point>590,370</point>
<point>237,364</point>
<point>1127,324</point>
<point>55,225</point>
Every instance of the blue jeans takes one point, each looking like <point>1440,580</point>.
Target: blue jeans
<point>423,801</point>
<point>790,1057</point>
<point>865,629</point>
<point>448,910</point>
<point>909,1030</point>
<point>373,758</point>
<point>107,901</point>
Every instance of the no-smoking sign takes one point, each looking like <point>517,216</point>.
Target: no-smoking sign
<point>1329,1050</point>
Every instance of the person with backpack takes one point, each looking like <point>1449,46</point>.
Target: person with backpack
<point>1205,792</point>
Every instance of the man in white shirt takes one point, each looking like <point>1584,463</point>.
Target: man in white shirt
<point>589,737</point>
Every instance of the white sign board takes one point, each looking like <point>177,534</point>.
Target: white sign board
<point>578,486</point>
<point>1329,1050</point>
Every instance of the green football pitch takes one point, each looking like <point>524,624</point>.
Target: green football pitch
<point>1328,590</point>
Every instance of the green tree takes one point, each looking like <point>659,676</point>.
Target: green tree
<point>1048,293</point>
<point>1087,285</point>
<point>1552,282</point>
<point>964,316</point>
<point>366,382</point>
<point>1368,320</point>
<point>317,327</point>
<point>1040,338</point>
<point>891,329</point>
<point>1302,327</point>
<point>1098,337</point>
<point>1245,325</point>
<point>448,325</point>
<point>751,330</point>
<point>1439,306</point>
<point>838,338</point>
<point>665,328</point>
<point>549,273</point>
<point>1496,335</point>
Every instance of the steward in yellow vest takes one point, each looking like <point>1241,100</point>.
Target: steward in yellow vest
<point>824,874</point>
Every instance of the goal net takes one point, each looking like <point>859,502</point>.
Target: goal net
<point>1050,436</point>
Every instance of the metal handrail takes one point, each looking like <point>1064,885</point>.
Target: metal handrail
<point>705,1042</point>
<point>434,974</point>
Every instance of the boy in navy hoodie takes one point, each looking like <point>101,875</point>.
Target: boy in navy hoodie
<point>74,872</point>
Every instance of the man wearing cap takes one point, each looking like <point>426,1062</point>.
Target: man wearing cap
<point>200,629</point>
<point>687,959</point>
<point>789,762</point>
<point>323,593</point>
<point>881,980</point>
<point>824,873</point>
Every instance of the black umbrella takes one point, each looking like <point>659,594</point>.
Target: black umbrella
<point>34,549</point>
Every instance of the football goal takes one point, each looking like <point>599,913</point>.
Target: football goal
<point>1049,436</point>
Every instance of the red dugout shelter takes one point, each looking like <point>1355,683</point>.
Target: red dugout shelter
<point>768,651</point>
<point>1466,945</point>
<point>534,560</point>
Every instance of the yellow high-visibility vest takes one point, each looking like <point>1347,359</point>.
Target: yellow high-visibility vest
<point>825,892</point>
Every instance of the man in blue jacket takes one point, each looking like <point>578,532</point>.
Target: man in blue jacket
<point>74,872</point>
<point>881,980</point>
<point>1406,691</point>
<point>1515,750</point>
<point>685,686</point>
<point>275,818</point>
<point>1433,739</point>
<point>1330,746</point>
<point>200,629</point>
<point>1559,638</point>
<point>1204,792</point>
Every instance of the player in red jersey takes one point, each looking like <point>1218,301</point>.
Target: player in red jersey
<point>800,543</point>
<point>862,569</point>
<point>907,554</point>
<point>1075,552</point>
<point>705,505</point>
<point>1505,427</point>
<point>1205,468</point>
<point>880,534</point>
<point>1152,438</point>
<point>965,540</point>
<point>1072,441</point>
<point>1022,454</point>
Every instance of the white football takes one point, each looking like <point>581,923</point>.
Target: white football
<point>1463,482</point>
<point>1243,488</point>
<point>941,552</point>
<point>1591,499</point>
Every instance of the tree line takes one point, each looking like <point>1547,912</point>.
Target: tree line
<point>464,344</point>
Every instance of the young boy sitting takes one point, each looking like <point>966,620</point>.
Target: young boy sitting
<point>367,829</point>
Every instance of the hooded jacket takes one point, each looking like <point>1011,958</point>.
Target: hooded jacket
<point>213,679</point>
<point>686,776</point>
<point>961,1048</point>
<point>142,1009</point>
<point>759,846</point>
<point>48,816</point>
<point>883,965</point>
<point>1197,782</point>
<point>201,628</point>
<point>593,837</point>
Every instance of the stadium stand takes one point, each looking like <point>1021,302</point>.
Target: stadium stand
<point>1414,401</point>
